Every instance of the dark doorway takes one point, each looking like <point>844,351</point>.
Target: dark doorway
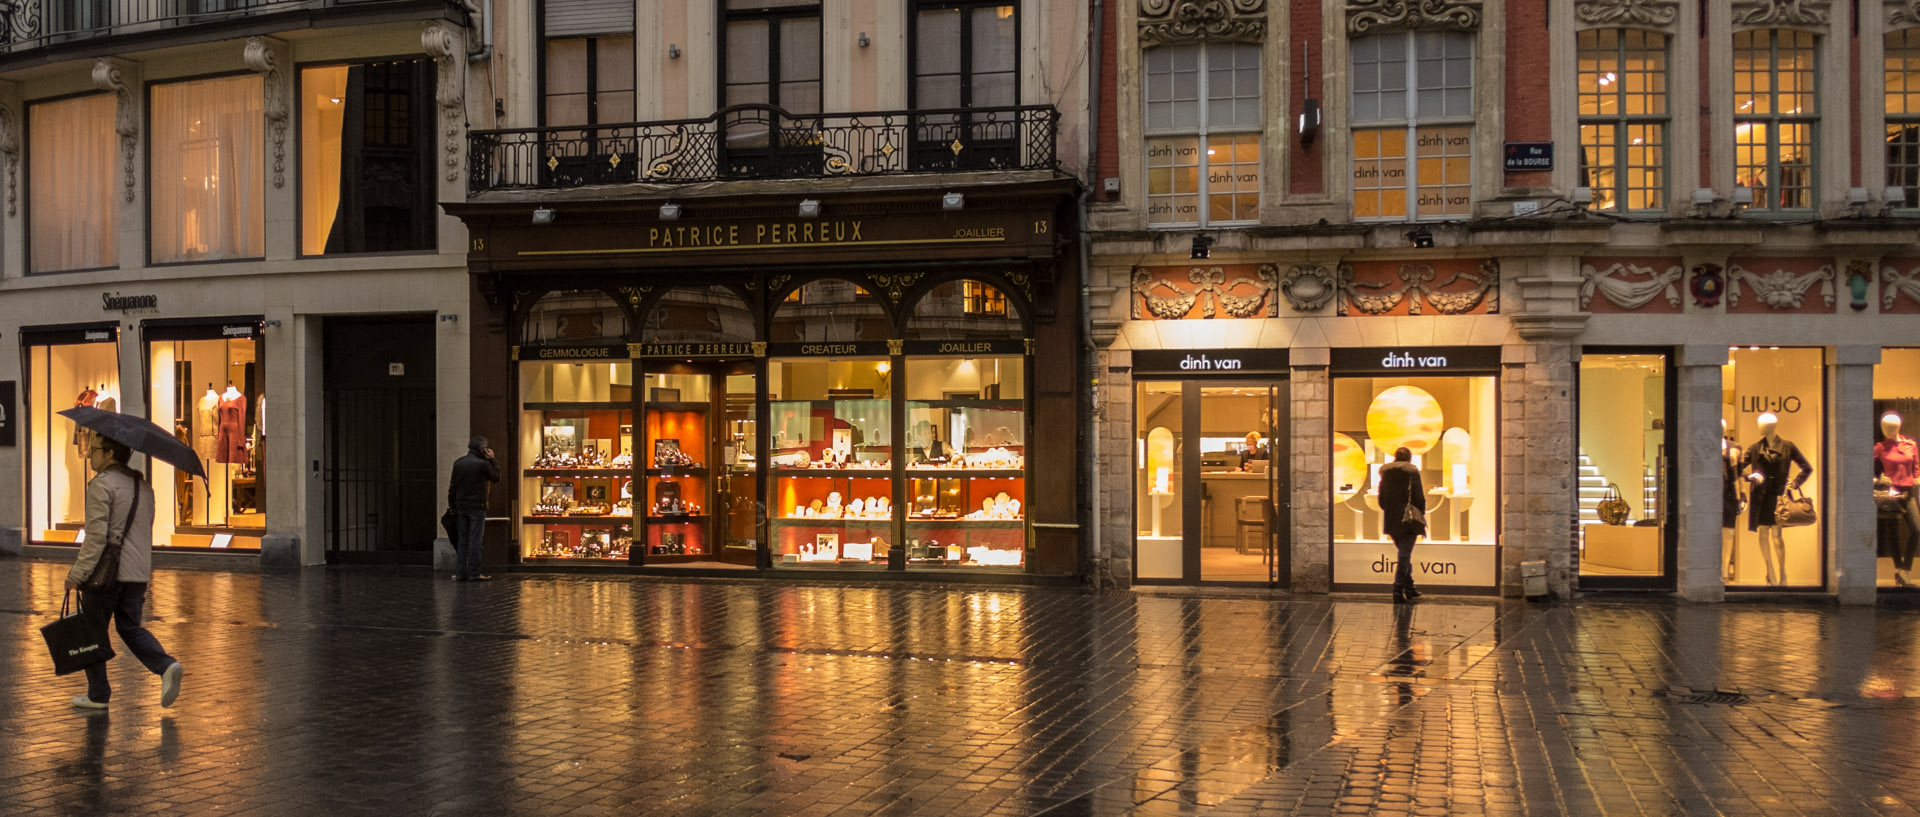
<point>380,432</point>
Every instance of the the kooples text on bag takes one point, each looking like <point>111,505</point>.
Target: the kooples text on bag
<point>78,650</point>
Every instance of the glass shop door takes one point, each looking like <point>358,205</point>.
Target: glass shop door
<point>1211,482</point>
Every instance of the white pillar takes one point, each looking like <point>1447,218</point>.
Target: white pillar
<point>1697,471</point>
<point>1849,489</point>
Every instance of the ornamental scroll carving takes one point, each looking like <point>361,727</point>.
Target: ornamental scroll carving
<point>118,76</point>
<point>1417,286</point>
<point>1779,289</point>
<point>1190,21</point>
<point>1902,13</point>
<point>1242,297</point>
<point>1780,12</point>
<point>1894,283</point>
<point>442,42</point>
<point>10,147</point>
<point>1307,289</point>
<point>1626,294</point>
<point>1368,16</point>
<point>1657,13</point>
<point>265,55</point>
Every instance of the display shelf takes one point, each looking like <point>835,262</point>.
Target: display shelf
<point>576,472</point>
<point>964,473</point>
<point>678,471</point>
<point>970,403</point>
<point>852,473</point>
<point>677,406</point>
<point>674,518</point>
<point>617,405</point>
<point>831,521</point>
<point>576,519</point>
<point>972,523</point>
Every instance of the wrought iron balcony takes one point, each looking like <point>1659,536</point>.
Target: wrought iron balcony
<point>764,142</point>
<point>32,24</point>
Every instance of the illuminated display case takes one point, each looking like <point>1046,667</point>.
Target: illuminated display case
<point>65,368</point>
<point>966,461</point>
<point>830,452</point>
<point>205,383</point>
<point>576,452</point>
<point>679,460</point>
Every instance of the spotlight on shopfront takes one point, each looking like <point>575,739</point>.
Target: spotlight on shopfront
<point>809,208</point>
<point>1582,196</point>
<point>1893,196</point>
<point>1202,247</point>
<point>669,212</point>
<point>1421,237</point>
<point>1743,196</point>
<point>543,215</point>
<point>953,201</point>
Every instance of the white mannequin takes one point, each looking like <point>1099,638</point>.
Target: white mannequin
<point>103,399</point>
<point>1890,426</point>
<point>230,393</point>
<point>1773,545</point>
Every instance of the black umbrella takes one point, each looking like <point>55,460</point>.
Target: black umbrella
<point>138,434</point>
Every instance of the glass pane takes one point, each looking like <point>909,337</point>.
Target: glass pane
<point>1622,465</point>
<point>576,460</point>
<point>74,225</point>
<point>1158,482</point>
<point>830,453</point>
<point>1774,414</point>
<point>208,392</point>
<point>1236,503</point>
<point>204,198</point>
<point>747,52</point>
<point>1173,162</point>
<point>937,42</point>
<point>1896,412</point>
<point>966,459</point>
<point>85,374</point>
<point>830,309</point>
<point>994,30</point>
<point>366,158</point>
<point>738,504</point>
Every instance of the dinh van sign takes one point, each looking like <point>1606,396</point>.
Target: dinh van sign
<point>1417,359</point>
<point>1202,362</point>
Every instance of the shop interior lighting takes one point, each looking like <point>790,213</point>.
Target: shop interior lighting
<point>1202,247</point>
<point>953,201</point>
<point>1421,237</point>
<point>809,208</point>
<point>543,215</point>
<point>669,212</point>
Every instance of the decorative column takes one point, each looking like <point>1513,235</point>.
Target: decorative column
<point>1539,504</point>
<point>1311,463</point>
<point>1696,471</point>
<point>1850,523</point>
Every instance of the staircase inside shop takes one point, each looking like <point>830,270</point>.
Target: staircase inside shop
<point>1593,488</point>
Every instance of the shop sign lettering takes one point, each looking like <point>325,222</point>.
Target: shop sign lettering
<point>755,235</point>
<point>241,331</point>
<point>697,350</point>
<point>829,349</point>
<point>116,302</point>
<point>1408,360</point>
<point>965,348</point>
<point>1755,404</point>
<point>577,352</point>
<point>1385,565</point>
<point>94,335</point>
<point>1204,364</point>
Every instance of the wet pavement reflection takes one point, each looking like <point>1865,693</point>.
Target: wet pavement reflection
<point>371,691</point>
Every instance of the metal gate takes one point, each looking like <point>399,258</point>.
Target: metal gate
<point>380,469</point>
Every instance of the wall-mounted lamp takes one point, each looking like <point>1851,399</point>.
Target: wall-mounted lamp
<point>809,208</point>
<point>1202,247</point>
<point>1742,196</point>
<point>1421,237</point>
<point>1582,196</point>
<point>1894,196</point>
<point>543,215</point>
<point>864,42</point>
<point>953,201</point>
<point>669,212</point>
<point>673,51</point>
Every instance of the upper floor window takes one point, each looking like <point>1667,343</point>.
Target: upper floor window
<point>588,69</point>
<point>1203,134</point>
<point>366,158</point>
<point>772,54</point>
<point>73,206</point>
<point>1623,118</point>
<point>1413,125</point>
<point>981,299</point>
<point>1903,114</point>
<point>1774,117</point>
<point>206,160</point>
<point>965,54</point>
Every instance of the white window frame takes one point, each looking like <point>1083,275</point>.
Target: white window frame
<point>1413,119</point>
<point>1203,130</point>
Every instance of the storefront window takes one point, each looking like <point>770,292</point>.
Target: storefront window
<point>1896,414</point>
<point>206,385</point>
<point>576,430</point>
<point>1773,412</point>
<point>366,158</point>
<point>1448,422</point>
<point>1622,464</point>
<point>79,368</point>
<point>830,448</point>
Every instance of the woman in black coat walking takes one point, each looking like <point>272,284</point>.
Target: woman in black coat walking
<point>1400,485</point>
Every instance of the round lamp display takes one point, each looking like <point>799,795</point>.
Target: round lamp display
<point>1404,415</point>
<point>1349,467</point>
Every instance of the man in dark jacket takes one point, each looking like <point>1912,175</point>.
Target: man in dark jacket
<point>473,477</point>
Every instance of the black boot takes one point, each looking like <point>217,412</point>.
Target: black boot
<point>1399,595</point>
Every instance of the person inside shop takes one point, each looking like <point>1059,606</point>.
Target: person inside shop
<point>1254,450</point>
<point>1895,459</point>
<point>1767,462</point>
<point>1399,487</point>
<point>473,478</point>
<point>927,445</point>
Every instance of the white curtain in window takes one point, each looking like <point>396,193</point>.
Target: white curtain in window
<point>72,179</point>
<point>205,191</point>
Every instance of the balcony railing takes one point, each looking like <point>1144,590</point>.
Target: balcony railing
<point>28,24</point>
<point>764,142</point>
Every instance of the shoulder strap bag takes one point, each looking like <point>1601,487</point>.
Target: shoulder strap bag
<point>74,641</point>
<point>106,573</point>
<point>1412,519</point>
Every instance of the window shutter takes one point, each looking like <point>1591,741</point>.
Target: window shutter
<point>581,18</point>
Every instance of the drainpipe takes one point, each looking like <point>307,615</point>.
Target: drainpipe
<point>485,51</point>
<point>1090,455</point>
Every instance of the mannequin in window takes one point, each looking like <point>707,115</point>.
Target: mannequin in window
<point>206,424</point>
<point>103,399</point>
<point>1731,458</point>
<point>231,447</point>
<point>81,440</point>
<point>1767,463</point>
<point>1896,458</point>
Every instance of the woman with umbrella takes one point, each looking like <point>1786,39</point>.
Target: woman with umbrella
<point>120,515</point>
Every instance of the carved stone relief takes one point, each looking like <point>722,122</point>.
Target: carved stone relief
<point>1901,13</point>
<point>1417,287</point>
<point>1368,16</point>
<point>443,43</point>
<point>118,76</point>
<point>1894,283</point>
<point>265,55</point>
<point>1780,12</point>
<point>1192,21</point>
<point>1626,12</point>
<point>1308,288</point>
<point>1779,289</point>
<point>1212,291</point>
<point>1626,294</point>
<point>10,146</point>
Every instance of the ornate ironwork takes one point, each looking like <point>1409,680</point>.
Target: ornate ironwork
<point>1780,12</point>
<point>896,283</point>
<point>1191,21</point>
<point>29,24</point>
<point>1779,289</point>
<point>765,142</point>
<point>1626,12</point>
<point>1368,16</point>
<point>1630,294</point>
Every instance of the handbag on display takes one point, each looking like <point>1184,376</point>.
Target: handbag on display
<point>1613,508</point>
<point>106,572</point>
<point>75,642</point>
<point>1412,519</point>
<point>1795,510</point>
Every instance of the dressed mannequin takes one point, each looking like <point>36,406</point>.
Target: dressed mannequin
<point>1896,459</point>
<point>1731,458</point>
<point>1767,463</point>
<point>232,445</point>
<point>80,441</point>
<point>103,399</point>
<point>206,422</point>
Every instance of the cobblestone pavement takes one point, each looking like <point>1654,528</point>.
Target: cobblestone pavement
<point>378,692</point>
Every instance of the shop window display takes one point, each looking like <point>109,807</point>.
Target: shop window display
<point>209,392</point>
<point>966,461</point>
<point>1773,412</point>
<point>1622,464</point>
<point>576,431</point>
<point>1896,464</point>
<point>59,377</point>
<point>701,429</point>
<point>1448,422</point>
<point>830,450</point>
